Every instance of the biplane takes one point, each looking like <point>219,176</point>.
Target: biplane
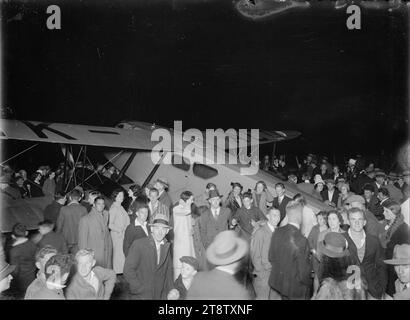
<point>130,148</point>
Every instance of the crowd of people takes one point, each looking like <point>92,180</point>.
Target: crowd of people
<point>251,244</point>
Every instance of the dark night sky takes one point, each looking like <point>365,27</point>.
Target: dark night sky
<point>205,64</point>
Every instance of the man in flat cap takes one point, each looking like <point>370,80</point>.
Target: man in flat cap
<point>189,268</point>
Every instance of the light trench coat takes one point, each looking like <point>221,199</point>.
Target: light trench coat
<point>183,235</point>
<point>118,222</point>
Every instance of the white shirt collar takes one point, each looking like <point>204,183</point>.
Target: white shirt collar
<point>363,238</point>
<point>19,241</point>
<point>294,224</point>
<point>143,226</point>
<point>225,269</point>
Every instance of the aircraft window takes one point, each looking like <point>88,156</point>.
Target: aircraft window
<point>204,171</point>
<point>182,164</point>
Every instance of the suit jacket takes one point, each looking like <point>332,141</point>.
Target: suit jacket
<point>216,285</point>
<point>374,206</point>
<point>166,200</point>
<point>23,257</point>
<point>281,206</point>
<point>133,233</point>
<point>244,217</point>
<point>289,255</point>
<point>400,293</point>
<point>146,278</point>
<point>372,267</point>
<point>209,227</point>
<point>335,197</point>
<point>54,239</point>
<point>69,220</point>
<point>80,289</point>
<point>260,244</point>
<point>93,233</point>
<point>52,211</point>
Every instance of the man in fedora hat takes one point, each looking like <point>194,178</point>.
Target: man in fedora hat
<point>401,263</point>
<point>226,253</point>
<point>5,273</point>
<point>214,219</point>
<point>202,199</point>
<point>148,266</point>
<point>289,255</point>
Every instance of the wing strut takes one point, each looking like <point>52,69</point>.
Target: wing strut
<point>126,165</point>
<point>156,167</point>
<point>16,155</point>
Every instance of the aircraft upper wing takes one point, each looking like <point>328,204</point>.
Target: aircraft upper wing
<point>76,134</point>
<point>265,136</point>
<point>126,135</point>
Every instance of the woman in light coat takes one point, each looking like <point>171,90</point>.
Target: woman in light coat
<point>183,233</point>
<point>118,222</point>
<point>262,198</point>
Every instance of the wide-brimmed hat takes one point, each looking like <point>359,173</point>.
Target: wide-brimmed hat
<point>214,194</point>
<point>329,180</point>
<point>163,181</point>
<point>393,175</point>
<point>161,220</point>
<point>334,245</point>
<point>355,198</point>
<point>5,268</point>
<point>379,173</point>
<point>226,248</point>
<point>191,261</point>
<point>401,255</point>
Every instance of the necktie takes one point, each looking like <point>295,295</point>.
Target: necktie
<point>158,253</point>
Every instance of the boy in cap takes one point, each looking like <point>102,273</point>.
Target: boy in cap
<point>401,263</point>
<point>189,268</point>
<point>225,252</point>
<point>148,266</point>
